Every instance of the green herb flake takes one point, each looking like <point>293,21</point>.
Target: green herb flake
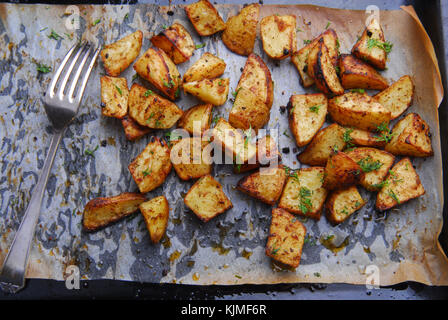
<point>54,35</point>
<point>306,41</point>
<point>328,25</point>
<point>147,172</point>
<point>386,46</point>
<point>380,185</point>
<point>43,29</point>
<point>237,276</point>
<point>118,89</point>
<point>88,152</point>
<point>199,46</point>
<point>358,90</point>
<point>94,23</point>
<point>368,165</point>
<point>392,194</point>
<point>234,93</point>
<point>42,68</point>
<point>305,200</point>
<point>317,274</point>
<point>315,108</point>
<point>148,93</point>
<point>126,16</point>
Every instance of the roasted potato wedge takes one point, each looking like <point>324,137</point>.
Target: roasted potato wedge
<point>207,67</point>
<point>411,137</point>
<point>205,18</point>
<point>188,160</point>
<point>322,70</point>
<point>341,204</point>
<point>266,185</point>
<point>364,138</point>
<point>100,212</point>
<point>234,142</point>
<point>156,213</point>
<point>213,91</point>
<point>151,167</point>
<point>119,55</point>
<point>176,42</point>
<point>358,110</point>
<point>374,163</point>
<point>286,238</point>
<point>114,97</point>
<point>241,31</point>
<point>355,73</point>
<point>207,199</point>
<point>278,35</point>
<point>323,144</point>
<point>402,184</point>
<point>248,111</point>
<point>300,58</point>
<point>156,67</point>
<point>151,110</point>
<point>303,193</point>
<point>365,49</point>
<point>341,171</point>
<point>257,78</point>
<point>267,154</point>
<point>398,97</point>
<point>132,130</point>
<point>201,115</point>
<point>306,116</point>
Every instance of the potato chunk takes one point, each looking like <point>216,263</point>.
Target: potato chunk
<point>176,42</point>
<point>266,185</point>
<point>364,138</point>
<point>132,130</point>
<point>248,111</point>
<point>286,238</point>
<point>207,67</point>
<point>114,97</point>
<point>358,110</point>
<point>119,55</point>
<point>306,116</point>
<point>151,167</point>
<point>411,137</point>
<point>156,67</point>
<point>341,171</point>
<point>207,199</point>
<point>100,212</point>
<point>300,58</point>
<point>366,48</point>
<point>200,114</point>
<point>355,73</point>
<point>151,110</point>
<point>257,78</point>
<point>278,35</point>
<point>374,163</point>
<point>398,97</point>
<point>156,213</point>
<point>213,91</point>
<point>304,193</point>
<point>341,204</point>
<point>188,160</point>
<point>322,145</point>
<point>267,154</point>
<point>234,142</point>
<point>402,184</point>
<point>205,18</point>
<point>322,70</point>
<point>241,30</point>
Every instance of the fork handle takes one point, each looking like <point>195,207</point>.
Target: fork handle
<point>12,276</point>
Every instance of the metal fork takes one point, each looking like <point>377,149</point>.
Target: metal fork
<point>62,100</point>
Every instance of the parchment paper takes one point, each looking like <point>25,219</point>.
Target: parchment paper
<point>402,243</point>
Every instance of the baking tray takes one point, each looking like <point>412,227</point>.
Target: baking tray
<point>432,18</point>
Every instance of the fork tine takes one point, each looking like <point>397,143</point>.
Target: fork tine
<point>67,75</point>
<point>86,76</point>
<point>78,74</point>
<point>50,90</point>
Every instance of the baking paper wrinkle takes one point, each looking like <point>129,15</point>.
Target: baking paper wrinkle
<point>126,252</point>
